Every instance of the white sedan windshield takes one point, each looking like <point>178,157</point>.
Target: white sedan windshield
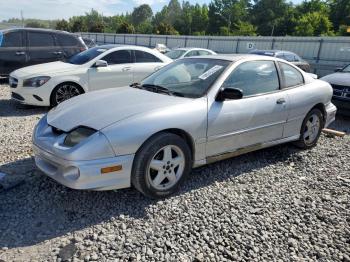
<point>190,77</point>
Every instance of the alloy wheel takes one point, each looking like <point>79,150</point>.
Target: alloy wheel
<point>66,92</point>
<point>312,129</point>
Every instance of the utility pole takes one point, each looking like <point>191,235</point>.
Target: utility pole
<point>22,18</point>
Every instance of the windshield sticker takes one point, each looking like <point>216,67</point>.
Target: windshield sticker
<point>1,37</point>
<point>101,50</point>
<point>210,72</point>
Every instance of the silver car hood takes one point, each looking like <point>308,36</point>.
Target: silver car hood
<point>338,79</point>
<point>99,109</point>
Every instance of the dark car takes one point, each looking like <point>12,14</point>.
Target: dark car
<point>286,55</point>
<point>25,46</point>
<point>340,82</point>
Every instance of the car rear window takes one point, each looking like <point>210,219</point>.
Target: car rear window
<point>11,39</point>
<point>66,40</point>
<point>40,39</point>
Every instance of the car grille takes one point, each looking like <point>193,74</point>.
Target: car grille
<point>13,82</point>
<point>341,91</point>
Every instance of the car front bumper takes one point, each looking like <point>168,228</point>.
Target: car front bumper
<point>331,111</point>
<point>85,174</point>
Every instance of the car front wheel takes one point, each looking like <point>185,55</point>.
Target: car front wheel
<point>161,165</point>
<point>64,92</point>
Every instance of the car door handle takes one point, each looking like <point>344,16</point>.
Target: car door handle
<point>157,68</point>
<point>126,68</point>
<point>58,53</point>
<point>20,53</point>
<point>281,101</point>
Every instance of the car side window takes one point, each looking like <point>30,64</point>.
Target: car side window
<point>203,52</point>
<point>66,40</point>
<point>254,77</point>
<point>119,57</point>
<point>12,39</point>
<point>292,76</point>
<point>145,57</point>
<point>40,39</point>
<point>289,57</point>
<point>192,53</point>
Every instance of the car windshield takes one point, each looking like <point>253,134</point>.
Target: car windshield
<point>175,54</point>
<point>86,56</point>
<point>346,69</point>
<point>190,77</point>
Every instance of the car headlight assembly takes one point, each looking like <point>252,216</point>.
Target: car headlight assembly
<point>36,81</point>
<point>77,135</point>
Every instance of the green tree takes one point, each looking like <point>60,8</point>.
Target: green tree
<point>62,25</point>
<point>340,13</point>
<point>78,24</point>
<point>165,29</point>
<point>125,28</point>
<point>270,17</point>
<point>141,14</point>
<point>174,12</point>
<point>245,29</point>
<point>313,24</point>
<point>343,30</point>
<point>94,22</point>
<point>144,28</point>
<point>35,24</point>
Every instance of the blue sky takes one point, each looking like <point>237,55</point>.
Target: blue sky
<point>56,9</point>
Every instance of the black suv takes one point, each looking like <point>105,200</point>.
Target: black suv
<point>26,46</point>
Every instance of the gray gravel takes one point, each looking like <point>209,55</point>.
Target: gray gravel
<point>275,204</point>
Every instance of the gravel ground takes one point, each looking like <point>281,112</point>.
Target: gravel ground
<point>275,204</point>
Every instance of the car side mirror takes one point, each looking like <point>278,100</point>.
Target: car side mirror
<point>229,94</point>
<point>100,63</point>
<point>338,69</point>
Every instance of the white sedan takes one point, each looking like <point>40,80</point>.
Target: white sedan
<point>97,68</point>
<point>192,112</point>
<point>188,52</point>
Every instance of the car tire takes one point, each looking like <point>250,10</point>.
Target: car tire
<point>311,129</point>
<point>161,165</point>
<point>68,90</point>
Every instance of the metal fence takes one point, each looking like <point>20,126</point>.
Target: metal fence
<point>323,53</point>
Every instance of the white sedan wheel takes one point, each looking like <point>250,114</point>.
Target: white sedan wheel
<point>312,129</point>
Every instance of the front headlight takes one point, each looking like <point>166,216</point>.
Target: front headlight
<point>36,81</point>
<point>77,135</point>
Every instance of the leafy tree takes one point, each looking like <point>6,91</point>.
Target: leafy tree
<point>343,30</point>
<point>62,25</point>
<point>313,24</point>
<point>340,13</point>
<point>227,13</point>
<point>245,29</point>
<point>35,24</point>
<point>173,12</point>
<point>144,28</point>
<point>94,22</point>
<point>160,17</point>
<point>77,24</point>
<point>165,29</point>
<point>126,28</point>
<point>141,14</point>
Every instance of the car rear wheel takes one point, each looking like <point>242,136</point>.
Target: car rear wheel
<point>311,129</point>
<point>64,92</point>
<point>161,165</point>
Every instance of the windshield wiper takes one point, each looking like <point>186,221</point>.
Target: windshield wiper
<point>161,89</point>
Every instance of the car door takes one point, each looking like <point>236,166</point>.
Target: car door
<point>12,52</point>
<point>42,47</point>
<point>118,73</point>
<point>145,64</point>
<point>258,117</point>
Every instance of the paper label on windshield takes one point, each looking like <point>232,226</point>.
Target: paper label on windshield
<point>210,72</point>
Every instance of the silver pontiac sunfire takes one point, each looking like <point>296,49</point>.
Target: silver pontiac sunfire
<point>190,113</point>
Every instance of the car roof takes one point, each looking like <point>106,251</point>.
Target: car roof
<point>234,57</point>
<point>191,48</point>
<point>274,51</point>
<point>36,30</point>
